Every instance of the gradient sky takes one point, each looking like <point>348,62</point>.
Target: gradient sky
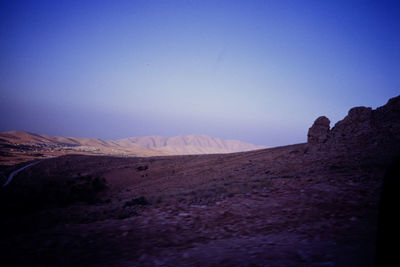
<point>257,71</point>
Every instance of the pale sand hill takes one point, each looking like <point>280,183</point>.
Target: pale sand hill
<point>189,144</point>
<point>20,146</point>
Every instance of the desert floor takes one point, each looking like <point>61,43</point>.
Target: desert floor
<point>274,207</point>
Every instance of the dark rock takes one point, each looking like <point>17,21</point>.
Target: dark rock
<point>319,132</point>
<point>373,131</point>
<point>356,123</point>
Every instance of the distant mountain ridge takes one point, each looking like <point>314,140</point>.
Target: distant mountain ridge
<point>189,144</point>
<point>133,146</point>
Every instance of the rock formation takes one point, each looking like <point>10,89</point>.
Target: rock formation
<point>319,132</point>
<point>376,131</point>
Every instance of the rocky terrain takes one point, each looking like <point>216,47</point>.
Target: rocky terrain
<point>311,204</point>
<point>19,146</point>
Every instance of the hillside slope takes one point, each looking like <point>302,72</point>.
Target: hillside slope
<point>19,146</point>
<point>189,144</point>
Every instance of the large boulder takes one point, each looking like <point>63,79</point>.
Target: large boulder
<point>319,132</point>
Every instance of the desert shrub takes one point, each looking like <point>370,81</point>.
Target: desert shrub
<point>142,168</point>
<point>123,214</point>
<point>85,189</point>
<point>99,184</point>
<point>137,201</point>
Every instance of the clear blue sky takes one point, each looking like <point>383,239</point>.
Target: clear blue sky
<point>257,71</point>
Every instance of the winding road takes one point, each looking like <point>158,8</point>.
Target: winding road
<point>19,170</point>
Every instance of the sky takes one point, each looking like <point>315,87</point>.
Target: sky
<point>256,71</point>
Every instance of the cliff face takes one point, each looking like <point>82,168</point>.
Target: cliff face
<point>372,131</point>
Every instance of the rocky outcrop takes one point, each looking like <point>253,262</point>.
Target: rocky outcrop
<point>319,132</point>
<point>363,128</point>
<point>357,123</point>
